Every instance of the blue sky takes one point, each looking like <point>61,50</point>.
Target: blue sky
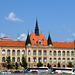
<point>54,16</point>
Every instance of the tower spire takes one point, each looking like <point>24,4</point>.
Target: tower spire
<point>36,29</point>
<point>28,40</point>
<point>49,41</point>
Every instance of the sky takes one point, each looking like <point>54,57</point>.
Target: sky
<point>57,17</point>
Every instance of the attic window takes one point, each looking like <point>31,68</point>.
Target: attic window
<point>33,39</point>
<point>42,39</point>
<point>39,43</point>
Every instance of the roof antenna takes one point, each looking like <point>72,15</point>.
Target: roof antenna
<point>18,37</point>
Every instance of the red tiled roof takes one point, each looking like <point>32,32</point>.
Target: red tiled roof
<point>36,38</point>
<point>12,43</point>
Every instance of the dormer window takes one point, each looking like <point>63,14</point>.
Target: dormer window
<point>33,39</point>
<point>39,43</point>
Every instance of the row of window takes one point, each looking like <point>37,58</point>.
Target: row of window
<point>13,52</point>
<point>50,53</point>
<point>45,59</point>
<point>13,59</point>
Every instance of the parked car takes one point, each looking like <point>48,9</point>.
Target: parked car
<point>34,72</point>
<point>17,72</point>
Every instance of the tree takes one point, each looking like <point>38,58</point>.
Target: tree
<point>24,62</point>
<point>16,65</point>
<point>39,64</point>
<point>59,64</point>
<point>49,66</point>
<point>70,65</point>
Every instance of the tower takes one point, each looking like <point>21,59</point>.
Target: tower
<point>49,41</point>
<point>36,29</point>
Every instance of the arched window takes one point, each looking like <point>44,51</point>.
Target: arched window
<point>39,52</point>
<point>45,59</point>
<point>63,60</point>
<point>3,59</point>
<point>72,52</point>
<point>39,59</point>
<point>54,59</point>
<point>34,52</point>
<point>18,59</point>
<point>34,59</point>
<point>3,51</point>
<point>59,52</point>
<point>50,59</point>
<point>50,53</point>
<point>8,52</point>
<point>63,52</point>
<point>68,52</point>
<point>54,52</point>
<point>72,59</point>
<point>45,52</point>
<point>13,52</point>
<point>59,59</point>
<point>18,52</point>
<point>68,59</point>
<point>28,52</point>
<point>63,66</point>
<point>23,51</point>
<point>13,59</point>
<point>29,59</point>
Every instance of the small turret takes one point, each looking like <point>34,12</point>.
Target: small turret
<point>49,41</point>
<point>28,40</point>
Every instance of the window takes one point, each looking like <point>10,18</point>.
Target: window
<point>3,59</point>
<point>67,52</point>
<point>50,59</point>
<point>28,52</point>
<point>34,65</point>
<point>34,59</point>
<point>50,52</point>
<point>39,52</point>
<point>39,59</point>
<point>42,39</point>
<point>45,59</point>
<point>68,59</point>
<point>29,59</point>
<point>13,52</point>
<point>44,65</point>
<point>59,52</point>
<point>63,60</point>
<point>72,53</point>
<point>13,59</point>
<point>28,66</point>
<point>72,59</point>
<point>34,52</point>
<point>39,43</point>
<point>59,59</point>
<point>8,52</point>
<point>18,59</point>
<point>54,52</point>
<point>44,52</point>
<point>18,52</point>
<point>54,65</point>
<point>23,52</point>
<point>63,52</point>
<point>54,59</point>
<point>63,66</point>
<point>3,51</point>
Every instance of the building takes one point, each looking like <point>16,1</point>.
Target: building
<point>36,49</point>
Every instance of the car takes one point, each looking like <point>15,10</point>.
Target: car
<point>17,72</point>
<point>34,72</point>
<point>27,71</point>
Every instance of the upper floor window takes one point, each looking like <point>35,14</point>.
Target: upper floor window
<point>72,59</point>
<point>18,52</point>
<point>34,52</point>
<point>28,52</point>
<point>67,52</point>
<point>50,52</point>
<point>3,51</point>
<point>39,43</point>
<point>63,60</point>
<point>13,52</point>
<point>34,59</point>
<point>23,51</point>
<point>3,59</point>
<point>59,52</point>
<point>54,59</point>
<point>54,52</point>
<point>68,59</point>
<point>39,52</point>
<point>45,52</point>
<point>45,59</point>
<point>72,52</point>
<point>59,59</point>
<point>29,59</point>
<point>18,59</point>
<point>63,52</point>
<point>50,59</point>
<point>39,59</point>
<point>8,51</point>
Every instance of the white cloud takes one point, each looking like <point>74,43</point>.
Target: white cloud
<point>12,17</point>
<point>2,35</point>
<point>22,37</point>
<point>73,34</point>
<point>69,39</point>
